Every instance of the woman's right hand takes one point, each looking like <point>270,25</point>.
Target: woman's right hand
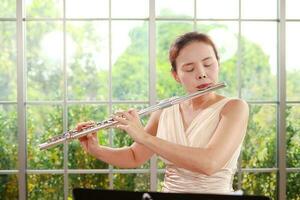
<point>89,142</point>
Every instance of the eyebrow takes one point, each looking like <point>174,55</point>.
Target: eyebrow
<point>186,64</point>
<point>206,58</point>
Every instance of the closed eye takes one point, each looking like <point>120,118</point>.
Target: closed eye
<point>188,67</point>
<point>207,64</point>
<point>189,70</point>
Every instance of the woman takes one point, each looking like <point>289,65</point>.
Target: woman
<point>200,139</point>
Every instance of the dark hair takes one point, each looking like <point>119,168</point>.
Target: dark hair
<point>186,39</point>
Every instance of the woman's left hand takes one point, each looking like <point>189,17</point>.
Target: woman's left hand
<point>129,121</point>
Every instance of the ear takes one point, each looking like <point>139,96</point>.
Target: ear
<point>175,76</point>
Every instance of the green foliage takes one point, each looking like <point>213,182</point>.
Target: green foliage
<point>8,8</point>
<point>77,158</point>
<point>8,75</point>
<point>43,122</point>
<point>86,80</point>
<point>132,182</point>
<point>130,73</point>
<point>261,138</point>
<point>8,189</point>
<point>258,83</point>
<point>8,137</point>
<point>45,80</point>
<point>94,181</point>
<point>293,136</point>
<point>45,186</point>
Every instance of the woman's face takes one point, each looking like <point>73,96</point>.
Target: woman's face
<point>197,66</point>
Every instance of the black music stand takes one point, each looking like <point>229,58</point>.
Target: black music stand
<point>99,194</point>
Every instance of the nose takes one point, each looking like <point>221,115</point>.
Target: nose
<point>202,73</point>
<point>202,76</point>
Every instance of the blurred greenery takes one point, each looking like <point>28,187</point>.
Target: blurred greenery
<point>77,159</point>
<point>8,189</point>
<point>8,61</point>
<point>130,82</point>
<point>132,182</point>
<point>45,186</point>
<point>94,181</point>
<point>43,122</point>
<point>259,183</point>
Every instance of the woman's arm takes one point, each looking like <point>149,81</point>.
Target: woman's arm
<point>126,157</point>
<point>226,139</point>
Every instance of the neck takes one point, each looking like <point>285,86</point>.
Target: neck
<point>201,101</point>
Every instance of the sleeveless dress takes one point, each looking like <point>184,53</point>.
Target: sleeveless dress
<point>198,134</point>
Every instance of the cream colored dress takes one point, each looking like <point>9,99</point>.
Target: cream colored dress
<point>198,134</point>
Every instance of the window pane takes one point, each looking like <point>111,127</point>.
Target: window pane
<point>120,137</point>
<point>293,186</point>
<point>166,33</point>
<point>8,60</point>
<point>235,182</point>
<point>45,186</point>
<point>132,182</point>
<point>260,184</point>
<point>292,61</point>
<point>215,9</point>
<point>259,60</point>
<point>44,56</point>
<point>225,36</point>
<point>180,9</point>
<point>138,8</point>
<point>160,163</point>
<point>8,186</point>
<point>78,159</point>
<point>293,135</point>
<point>130,73</point>
<point>87,8</point>
<point>260,138</point>
<point>43,122</point>
<point>91,181</point>
<point>292,9</point>
<point>87,60</point>
<point>8,8</point>
<point>8,137</point>
<point>256,9</point>
<point>45,8</point>
<point>160,181</point>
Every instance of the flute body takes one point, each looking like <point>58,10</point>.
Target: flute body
<point>74,134</point>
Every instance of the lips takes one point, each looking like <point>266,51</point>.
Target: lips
<point>204,85</point>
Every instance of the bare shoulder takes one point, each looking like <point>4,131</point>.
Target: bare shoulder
<point>236,106</point>
<point>156,115</point>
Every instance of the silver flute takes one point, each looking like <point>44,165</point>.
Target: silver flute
<point>74,134</point>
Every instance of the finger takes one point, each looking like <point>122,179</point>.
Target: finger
<point>82,139</point>
<point>91,122</point>
<point>128,115</point>
<point>86,125</point>
<point>91,135</point>
<point>119,113</point>
<point>120,119</point>
<point>134,112</point>
<point>123,127</point>
<point>79,126</point>
<point>82,125</point>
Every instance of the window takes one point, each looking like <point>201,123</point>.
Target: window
<point>83,60</point>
